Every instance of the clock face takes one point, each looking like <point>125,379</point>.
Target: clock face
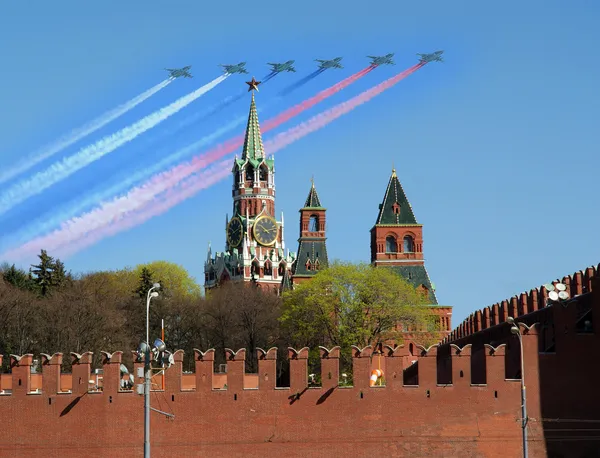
<point>235,232</point>
<point>265,230</point>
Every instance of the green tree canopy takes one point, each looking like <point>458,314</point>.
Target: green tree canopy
<point>352,304</point>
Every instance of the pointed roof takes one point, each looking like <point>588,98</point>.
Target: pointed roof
<point>394,197</point>
<point>253,145</point>
<point>312,201</point>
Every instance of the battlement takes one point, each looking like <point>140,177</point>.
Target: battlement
<point>526,303</point>
<point>397,363</point>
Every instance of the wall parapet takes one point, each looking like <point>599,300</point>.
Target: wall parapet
<point>525,303</point>
<point>394,361</point>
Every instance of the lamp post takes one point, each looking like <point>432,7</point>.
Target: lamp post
<point>148,372</point>
<point>514,329</point>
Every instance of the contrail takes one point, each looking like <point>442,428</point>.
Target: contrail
<point>292,87</point>
<point>97,225</point>
<point>46,223</point>
<point>60,170</point>
<point>84,131</point>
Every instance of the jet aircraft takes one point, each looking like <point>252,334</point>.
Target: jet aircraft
<point>333,63</point>
<point>180,72</point>
<point>237,68</point>
<point>382,60</point>
<point>285,67</point>
<point>432,57</point>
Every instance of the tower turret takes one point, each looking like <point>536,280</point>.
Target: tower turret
<point>312,247</point>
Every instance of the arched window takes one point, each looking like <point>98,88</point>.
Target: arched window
<point>409,244</point>
<point>263,173</point>
<point>390,244</point>
<point>236,180</point>
<point>268,269</point>
<point>281,269</point>
<point>255,268</point>
<point>250,173</point>
<point>313,223</point>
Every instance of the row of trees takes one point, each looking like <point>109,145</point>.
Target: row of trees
<point>51,310</point>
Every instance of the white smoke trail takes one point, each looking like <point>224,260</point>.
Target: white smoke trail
<point>69,165</point>
<point>51,221</point>
<point>78,134</point>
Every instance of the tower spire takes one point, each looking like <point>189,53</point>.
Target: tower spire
<point>253,145</point>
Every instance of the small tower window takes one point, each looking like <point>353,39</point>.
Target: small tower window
<point>396,208</point>
<point>281,270</point>
<point>250,173</point>
<point>237,177</point>
<point>263,173</point>
<point>255,268</point>
<point>313,224</point>
<point>390,244</point>
<point>409,244</point>
<point>268,269</point>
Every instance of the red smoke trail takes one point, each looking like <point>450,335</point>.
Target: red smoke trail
<point>196,183</point>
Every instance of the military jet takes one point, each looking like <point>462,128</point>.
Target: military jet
<point>285,67</point>
<point>433,57</point>
<point>237,68</point>
<point>333,63</point>
<point>180,72</point>
<point>382,60</point>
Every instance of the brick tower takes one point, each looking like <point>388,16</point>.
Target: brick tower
<point>255,244</point>
<point>397,239</point>
<point>312,249</point>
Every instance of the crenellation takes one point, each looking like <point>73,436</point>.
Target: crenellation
<point>461,364</point>
<point>111,371</point>
<point>330,367</point>
<point>495,364</point>
<point>236,369</point>
<point>298,369</point>
<point>51,373</point>
<point>20,367</point>
<point>428,366</point>
<point>394,365</point>
<point>578,283</point>
<point>361,366</point>
<point>204,363</point>
<point>173,376</point>
<point>267,368</point>
<point>81,369</point>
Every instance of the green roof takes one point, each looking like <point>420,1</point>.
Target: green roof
<point>253,145</point>
<point>312,201</point>
<point>394,197</point>
<point>313,250</point>
<point>416,276</point>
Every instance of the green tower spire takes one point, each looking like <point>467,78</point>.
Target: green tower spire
<point>253,145</point>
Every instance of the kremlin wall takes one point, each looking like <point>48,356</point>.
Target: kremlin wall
<point>459,398</point>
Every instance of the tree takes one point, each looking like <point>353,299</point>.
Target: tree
<point>174,279</point>
<point>44,273</point>
<point>18,278</point>
<point>352,304</point>
<point>145,282</point>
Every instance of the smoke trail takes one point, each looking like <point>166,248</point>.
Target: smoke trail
<point>69,165</point>
<point>82,132</point>
<point>184,191</point>
<point>106,213</point>
<point>288,90</point>
<point>48,222</point>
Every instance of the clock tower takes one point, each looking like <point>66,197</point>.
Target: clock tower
<point>255,246</point>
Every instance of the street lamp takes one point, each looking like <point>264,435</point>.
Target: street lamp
<point>514,329</point>
<point>148,371</point>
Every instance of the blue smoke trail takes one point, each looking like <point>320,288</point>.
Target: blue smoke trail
<point>301,82</point>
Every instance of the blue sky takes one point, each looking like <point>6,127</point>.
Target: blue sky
<point>494,147</point>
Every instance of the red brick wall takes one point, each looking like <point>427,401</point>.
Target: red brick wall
<point>391,420</point>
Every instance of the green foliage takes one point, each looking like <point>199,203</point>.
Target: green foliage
<point>352,304</point>
<point>18,278</point>
<point>48,275</point>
